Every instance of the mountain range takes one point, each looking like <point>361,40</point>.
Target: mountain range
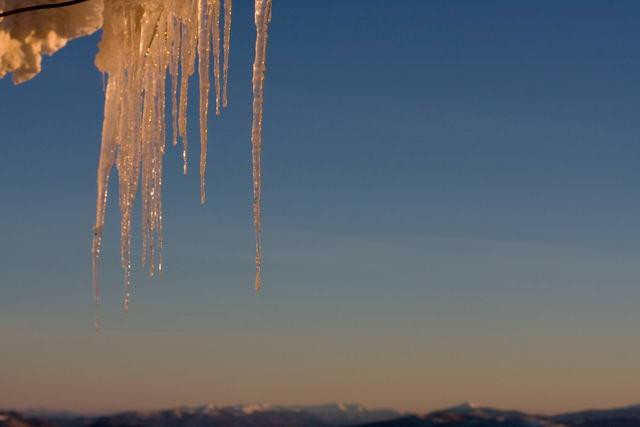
<point>329,415</point>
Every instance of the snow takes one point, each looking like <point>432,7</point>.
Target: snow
<point>466,407</point>
<point>256,407</point>
<point>24,38</point>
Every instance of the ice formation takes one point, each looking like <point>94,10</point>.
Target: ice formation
<point>143,41</point>
<point>262,18</point>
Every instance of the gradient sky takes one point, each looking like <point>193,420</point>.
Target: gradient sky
<point>451,212</point>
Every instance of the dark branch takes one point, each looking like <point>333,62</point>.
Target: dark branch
<point>40,7</point>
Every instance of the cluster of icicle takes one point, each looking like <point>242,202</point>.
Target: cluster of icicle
<point>143,40</point>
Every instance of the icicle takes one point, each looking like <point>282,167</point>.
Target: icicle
<point>173,34</point>
<point>204,52</point>
<point>262,19</point>
<point>216,51</point>
<point>143,41</point>
<point>107,159</point>
<point>228,5</point>
<point>188,42</point>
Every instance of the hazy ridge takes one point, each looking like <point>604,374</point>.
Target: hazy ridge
<point>328,415</point>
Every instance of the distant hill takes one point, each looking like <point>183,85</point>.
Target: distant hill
<point>470,415</point>
<point>330,415</point>
<point>261,415</point>
<point>14,419</point>
<point>250,416</point>
<point>628,416</point>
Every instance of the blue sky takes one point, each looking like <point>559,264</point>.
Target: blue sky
<point>450,213</point>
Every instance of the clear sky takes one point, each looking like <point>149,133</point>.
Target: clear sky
<point>451,212</point>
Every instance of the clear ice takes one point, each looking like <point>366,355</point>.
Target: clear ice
<point>142,42</point>
<point>262,19</point>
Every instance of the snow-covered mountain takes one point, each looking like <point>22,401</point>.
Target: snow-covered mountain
<point>628,416</point>
<point>252,415</point>
<point>329,415</point>
<point>14,419</point>
<point>470,414</point>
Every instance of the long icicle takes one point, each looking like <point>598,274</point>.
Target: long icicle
<point>107,159</point>
<point>204,52</point>
<point>188,42</point>
<point>262,19</point>
<point>228,6</point>
<point>216,52</point>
